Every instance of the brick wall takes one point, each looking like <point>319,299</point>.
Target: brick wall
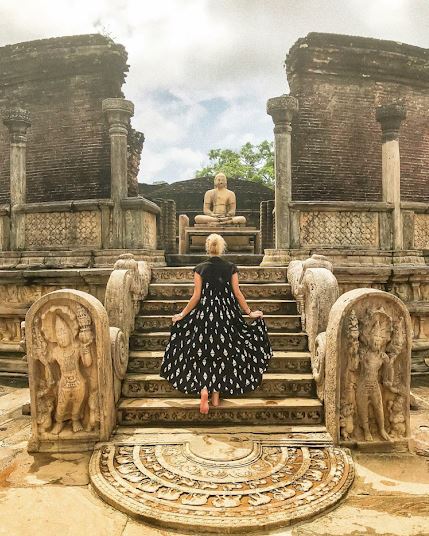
<point>62,82</point>
<point>336,142</point>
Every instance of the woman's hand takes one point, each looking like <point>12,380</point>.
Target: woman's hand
<point>176,318</point>
<point>256,314</point>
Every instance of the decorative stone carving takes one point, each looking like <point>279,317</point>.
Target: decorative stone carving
<point>220,205</point>
<point>210,484</point>
<point>63,229</point>
<point>70,372</point>
<point>315,289</point>
<point>367,374</point>
<point>421,231</point>
<point>339,229</point>
<point>10,330</point>
<point>128,284</point>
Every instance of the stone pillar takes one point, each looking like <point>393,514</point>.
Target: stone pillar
<point>183,223</point>
<point>118,112</point>
<point>17,121</point>
<point>270,223</point>
<point>171,226</point>
<point>390,117</point>
<point>281,110</point>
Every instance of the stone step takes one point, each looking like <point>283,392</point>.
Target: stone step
<point>290,323</point>
<point>245,259</point>
<point>171,307</point>
<point>158,341</point>
<point>149,362</point>
<point>232,411</point>
<point>11,364</point>
<point>293,435</point>
<point>166,291</point>
<point>273,386</point>
<point>247,274</point>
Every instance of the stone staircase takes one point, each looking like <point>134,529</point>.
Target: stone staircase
<point>287,394</point>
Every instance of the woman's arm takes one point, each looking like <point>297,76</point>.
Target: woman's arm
<point>238,294</point>
<point>241,299</point>
<point>195,298</point>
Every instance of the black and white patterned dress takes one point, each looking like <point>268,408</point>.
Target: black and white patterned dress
<point>213,346</point>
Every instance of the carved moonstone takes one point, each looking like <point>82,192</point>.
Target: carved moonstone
<point>225,484</point>
<point>367,373</point>
<point>70,372</point>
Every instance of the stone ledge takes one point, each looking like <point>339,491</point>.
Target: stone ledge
<point>139,203</point>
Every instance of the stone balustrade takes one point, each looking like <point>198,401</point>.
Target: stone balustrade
<point>360,345</point>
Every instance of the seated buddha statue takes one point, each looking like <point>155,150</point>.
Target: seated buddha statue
<point>219,205</point>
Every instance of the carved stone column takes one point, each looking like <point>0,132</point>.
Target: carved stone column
<point>281,110</point>
<point>183,223</point>
<point>118,112</point>
<point>17,121</point>
<point>390,117</point>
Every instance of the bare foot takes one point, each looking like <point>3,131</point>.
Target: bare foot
<point>215,398</point>
<point>57,428</point>
<point>204,402</point>
<point>77,426</point>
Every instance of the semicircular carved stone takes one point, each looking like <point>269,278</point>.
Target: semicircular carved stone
<point>210,484</point>
<point>367,372</point>
<point>70,372</point>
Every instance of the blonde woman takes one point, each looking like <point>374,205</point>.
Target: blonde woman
<point>212,349</point>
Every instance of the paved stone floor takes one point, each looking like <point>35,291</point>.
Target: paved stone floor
<point>48,494</point>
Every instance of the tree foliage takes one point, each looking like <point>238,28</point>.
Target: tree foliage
<point>251,163</point>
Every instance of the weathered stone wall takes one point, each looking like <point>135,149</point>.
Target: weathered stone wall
<point>62,82</point>
<point>336,142</point>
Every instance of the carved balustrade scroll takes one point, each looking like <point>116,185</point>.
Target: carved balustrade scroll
<point>315,289</point>
<point>128,284</point>
<point>67,339</point>
<point>367,370</point>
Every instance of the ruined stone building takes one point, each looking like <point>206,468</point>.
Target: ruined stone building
<point>337,259</point>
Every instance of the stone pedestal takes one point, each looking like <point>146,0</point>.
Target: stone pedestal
<point>282,110</point>
<point>276,257</point>
<point>238,239</point>
<point>17,121</point>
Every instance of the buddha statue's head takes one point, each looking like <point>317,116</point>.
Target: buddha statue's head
<point>220,181</point>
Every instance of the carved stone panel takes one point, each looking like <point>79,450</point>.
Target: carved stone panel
<point>339,229</point>
<point>219,485</point>
<point>367,374</point>
<point>140,229</point>
<point>70,372</point>
<point>421,231</point>
<point>63,229</point>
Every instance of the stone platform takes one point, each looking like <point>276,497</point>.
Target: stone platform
<point>228,482</point>
<point>239,239</point>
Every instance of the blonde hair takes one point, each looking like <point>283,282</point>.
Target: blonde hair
<point>215,245</point>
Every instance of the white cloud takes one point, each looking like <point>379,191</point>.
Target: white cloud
<point>185,52</point>
<point>184,160</point>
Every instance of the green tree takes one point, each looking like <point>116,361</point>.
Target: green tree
<point>251,163</point>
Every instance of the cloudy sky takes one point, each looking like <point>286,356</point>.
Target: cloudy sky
<point>202,70</point>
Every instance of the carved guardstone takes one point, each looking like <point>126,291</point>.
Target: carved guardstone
<point>70,372</point>
<point>367,375</point>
